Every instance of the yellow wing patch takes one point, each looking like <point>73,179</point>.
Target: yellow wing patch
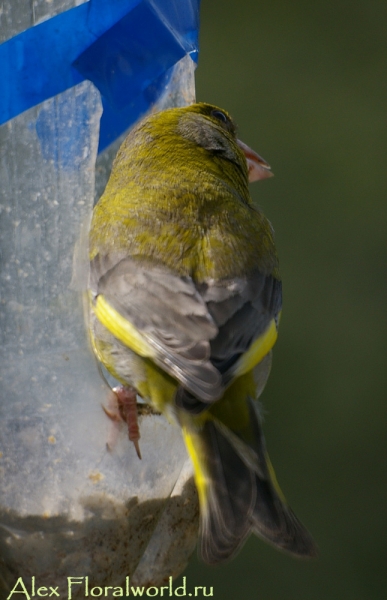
<point>257,350</point>
<point>201,478</point>
<point>121,328</point>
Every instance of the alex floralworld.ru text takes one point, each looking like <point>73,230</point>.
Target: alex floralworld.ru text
<point>28,588</point>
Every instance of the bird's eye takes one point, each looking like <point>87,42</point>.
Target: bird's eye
<point>218,114</point>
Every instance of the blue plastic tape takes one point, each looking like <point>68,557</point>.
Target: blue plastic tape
<point>125,47</point>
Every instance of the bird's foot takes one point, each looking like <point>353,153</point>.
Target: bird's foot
<point>122,406</point>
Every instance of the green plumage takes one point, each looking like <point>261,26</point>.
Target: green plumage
<point>185,299</point>
<point>185,205</point>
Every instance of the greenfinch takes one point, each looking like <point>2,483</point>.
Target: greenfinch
<point>184,300</point>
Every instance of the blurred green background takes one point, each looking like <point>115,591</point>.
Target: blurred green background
<point>306,83</point>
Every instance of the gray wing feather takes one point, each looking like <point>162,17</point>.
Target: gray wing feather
<point>242,308</point>
<point>169,312</point>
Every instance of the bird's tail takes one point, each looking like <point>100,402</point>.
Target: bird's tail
<point>237,488</point>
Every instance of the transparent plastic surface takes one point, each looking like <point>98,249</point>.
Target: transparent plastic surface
<point>68,505</point>
<point>179,91</point>
<point>18,15</point>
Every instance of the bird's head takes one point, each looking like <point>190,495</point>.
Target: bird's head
<point>213,129</point>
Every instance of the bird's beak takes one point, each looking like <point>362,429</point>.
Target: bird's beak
<point>257,166</point>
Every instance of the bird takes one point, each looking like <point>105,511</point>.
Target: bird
<point>184,302</point>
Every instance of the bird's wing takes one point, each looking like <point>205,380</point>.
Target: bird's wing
<point>246,312</point>
<point>159,315</point>
<point>204,335</point>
